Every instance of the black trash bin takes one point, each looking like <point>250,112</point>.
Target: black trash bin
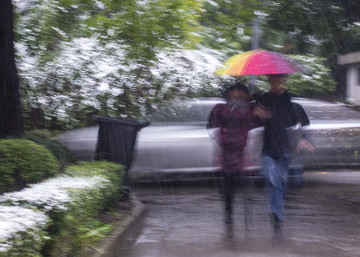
<point>116,142</point>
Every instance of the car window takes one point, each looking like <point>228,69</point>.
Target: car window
<point>189,110</point>
<point>198,110</point>
<point>322,110</point>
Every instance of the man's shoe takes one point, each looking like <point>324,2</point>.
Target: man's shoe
<point>277,222</point>
<point>277,229</point>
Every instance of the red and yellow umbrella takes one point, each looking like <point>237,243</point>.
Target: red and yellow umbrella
<point>259,62</point>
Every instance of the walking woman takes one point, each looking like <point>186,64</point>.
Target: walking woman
<point>233,119</point>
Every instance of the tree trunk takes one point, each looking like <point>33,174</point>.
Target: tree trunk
<point>11,120</point>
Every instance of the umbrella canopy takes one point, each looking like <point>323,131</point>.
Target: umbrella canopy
<point>259,62</point>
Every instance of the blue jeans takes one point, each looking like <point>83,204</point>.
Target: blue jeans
<point>276,172</point>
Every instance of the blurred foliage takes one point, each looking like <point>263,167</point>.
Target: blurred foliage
<point>141,26</point>
<point>316,82</point>
<point>228,23</point>
<point>23,162</point>
<point>323,28</point>
<point>124,59</point>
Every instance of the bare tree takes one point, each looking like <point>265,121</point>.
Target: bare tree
<point>11,120</point>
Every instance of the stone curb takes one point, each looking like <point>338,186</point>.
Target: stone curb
<point>109,246</point>
<point>314,176</point>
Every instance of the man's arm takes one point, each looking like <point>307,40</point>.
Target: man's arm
<point>300,114</point>
<point>302,118</point>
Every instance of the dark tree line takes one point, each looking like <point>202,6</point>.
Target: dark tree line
<point>11,122</point>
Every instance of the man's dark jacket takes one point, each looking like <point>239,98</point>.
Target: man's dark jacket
<point>284,115</point>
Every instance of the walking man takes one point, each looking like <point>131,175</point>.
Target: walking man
<point>276,153</point>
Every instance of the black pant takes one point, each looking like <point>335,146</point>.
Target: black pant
<point>231,181</point>
<point>228,188</point>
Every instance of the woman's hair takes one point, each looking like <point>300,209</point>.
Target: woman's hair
<point>237,86</point>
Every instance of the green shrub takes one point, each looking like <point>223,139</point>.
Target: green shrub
<point>95,168</point>
<point>24,233</point>
<point>109,170</point>
<point>73,202</point>
<point>43,137</point>
<point>79,226</point>
<point>23,162</point>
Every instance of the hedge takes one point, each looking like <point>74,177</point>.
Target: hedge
<point>23,162</point>
<point>71,204</point>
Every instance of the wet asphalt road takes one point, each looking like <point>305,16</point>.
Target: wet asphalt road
<point>323,219</point>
